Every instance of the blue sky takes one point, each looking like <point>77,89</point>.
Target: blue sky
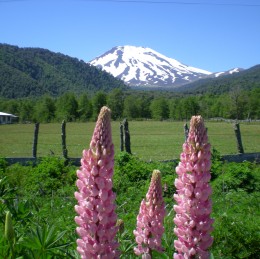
<point>214,35</point>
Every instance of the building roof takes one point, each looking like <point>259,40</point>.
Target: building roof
<point>7,114</point>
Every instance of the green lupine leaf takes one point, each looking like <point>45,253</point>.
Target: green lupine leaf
<point>57,238</point>
<point>44,241</point>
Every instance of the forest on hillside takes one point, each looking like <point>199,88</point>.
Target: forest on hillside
<point>33,72</point>
<point>237,104</point>
<point>247,80</point>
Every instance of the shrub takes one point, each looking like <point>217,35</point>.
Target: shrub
<point>3,165</point>
<point>236,227</point>
<point>216,164</point>
<point>130,170</point>
<point>238,176</point>
<point>49,175</point>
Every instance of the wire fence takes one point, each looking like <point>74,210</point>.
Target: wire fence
<point>150,140</point>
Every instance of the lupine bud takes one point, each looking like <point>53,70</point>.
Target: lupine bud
<point>96,209</point>
<point>149,229</point>
<point>193,222</point>
<point>9,230</point>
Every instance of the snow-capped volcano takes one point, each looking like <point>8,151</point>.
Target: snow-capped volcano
<point>139,66</point>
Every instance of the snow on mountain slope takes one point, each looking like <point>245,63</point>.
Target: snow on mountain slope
<point>139,66</point>
<point>229,72</point>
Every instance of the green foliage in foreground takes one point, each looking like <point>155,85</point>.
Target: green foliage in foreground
<point>40,200</point>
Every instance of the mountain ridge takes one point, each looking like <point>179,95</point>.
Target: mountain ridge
<point>247,79</point>
<point>140,66</point>
<point>35,71</point>
<point>145,67</point>
<point>26,72</point>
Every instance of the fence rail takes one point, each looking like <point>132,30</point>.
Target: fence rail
<point>218,119</point>
<point>251,157</point>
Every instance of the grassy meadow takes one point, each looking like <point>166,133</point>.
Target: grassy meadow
<point>150,140</point>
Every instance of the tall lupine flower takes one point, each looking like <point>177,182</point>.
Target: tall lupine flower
<point>96,209</point>
<point>193,222</point>
<point>149,230</point>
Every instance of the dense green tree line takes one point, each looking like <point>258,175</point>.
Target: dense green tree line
<point>237,104</point>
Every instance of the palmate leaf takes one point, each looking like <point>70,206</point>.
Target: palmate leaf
<point>44,240</point>
<point>21,210</point>
<point>126,244</point>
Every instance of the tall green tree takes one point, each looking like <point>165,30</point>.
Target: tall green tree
<point>85,107</point>
<point>190,107</point>
<point>253,111</point>
<point>175,109</point>
<point>237,103</point>
<point>67,107</point>
<point>99,100</point>
<point>205,102</point>
<point>45,110</point>
<point>220,107</point>
<point>144,104</point>
<point>159,109</point>
<point>116,103</point>
<point>131,108</point>
<point>26,109</point>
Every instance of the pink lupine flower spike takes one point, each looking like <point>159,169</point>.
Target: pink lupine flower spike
<point>96,209</point>
<point>149,229</point>
<point>192,220</point>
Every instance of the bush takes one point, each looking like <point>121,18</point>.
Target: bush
<point>50,175</point>
<point>3,165</point>
<point>237,176</point>
<point>16,176</point>
<point>236,226</point>
<point>216,164</point>
<point>130,170</point>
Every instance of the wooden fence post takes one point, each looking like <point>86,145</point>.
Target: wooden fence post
<point>186,131</point>
<point>63,140</point>
<point>121,137</point>
<point>240,148</point>
<point>127,137</point>
<point>35,139</point>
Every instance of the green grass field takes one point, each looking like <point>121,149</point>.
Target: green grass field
<point>153,140</point>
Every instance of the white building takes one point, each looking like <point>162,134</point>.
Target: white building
<point>6,118</point>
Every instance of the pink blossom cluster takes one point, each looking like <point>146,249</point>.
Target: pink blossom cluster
<point>96,218</point>
<point>192,220</point>
<point>149,230</point>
